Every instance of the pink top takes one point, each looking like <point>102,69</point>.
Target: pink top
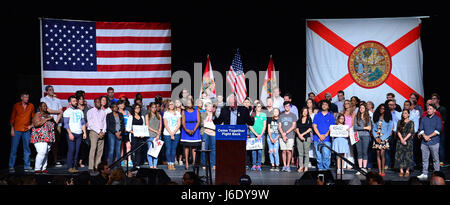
<point>348,120</point>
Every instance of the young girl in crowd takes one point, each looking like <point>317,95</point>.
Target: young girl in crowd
<point>125,135</point>
<point>153,121</point>
<point>208,131</point>
<point>381,131</point>
<point>340,144</point>
<point>172,123</point>
<point>179,152</point>
<point>349,114</point>
<point>272,140</point>
<point>303,130</point>
<point>257,131</point>
<point>363,125</point>
<point>138,119</point>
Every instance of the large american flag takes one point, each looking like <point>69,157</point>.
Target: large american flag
<point>131,57</point>
<point>236,78</point>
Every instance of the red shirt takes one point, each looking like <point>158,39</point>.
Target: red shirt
<point>21,117</point>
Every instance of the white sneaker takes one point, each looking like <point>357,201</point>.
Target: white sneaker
<point>423,177</point>
<point>338,172</point>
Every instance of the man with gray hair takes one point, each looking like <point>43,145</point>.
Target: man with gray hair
<point>231,114</point>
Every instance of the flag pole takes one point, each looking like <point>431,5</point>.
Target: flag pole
<point>42,58</point>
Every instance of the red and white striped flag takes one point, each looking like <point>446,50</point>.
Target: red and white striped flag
<point>236,78</point>
<point>131,57</point>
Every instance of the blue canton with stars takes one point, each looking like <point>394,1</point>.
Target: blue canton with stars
<point>68,45</point>
<point>237,64</point>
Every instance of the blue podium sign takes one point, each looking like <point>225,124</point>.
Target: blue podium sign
<point>231,132</point>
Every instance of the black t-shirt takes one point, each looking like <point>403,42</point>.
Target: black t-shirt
<point>302,127</point>
<point>137,122</point>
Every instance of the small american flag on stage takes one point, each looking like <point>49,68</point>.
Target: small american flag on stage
<point>131,57</point>
<point>236,78</point>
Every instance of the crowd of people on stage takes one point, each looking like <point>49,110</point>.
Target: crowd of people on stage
<point>390,135</point>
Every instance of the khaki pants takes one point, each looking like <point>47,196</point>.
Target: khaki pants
<point>95,154</point>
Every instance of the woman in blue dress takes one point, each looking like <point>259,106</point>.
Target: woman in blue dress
<point>190,134</point>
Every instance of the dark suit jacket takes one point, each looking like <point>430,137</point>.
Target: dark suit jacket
<point>243,116</point>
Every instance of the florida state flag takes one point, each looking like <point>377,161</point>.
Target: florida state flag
<point>367,58</point>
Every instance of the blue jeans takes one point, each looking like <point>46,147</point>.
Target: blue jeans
<point>323,157</point>
<point>273,147</point>
<point>26,137</point>
<point>114,146</point>
<point>256,154</point>
<point>171,147</point>
<point>388,152</point>
<point>152,161</point>
<point>73,147</point>
<point>210,144</point>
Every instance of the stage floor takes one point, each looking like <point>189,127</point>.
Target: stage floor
<point>264,177</point>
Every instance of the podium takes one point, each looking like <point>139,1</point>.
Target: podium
<point>230,153</point>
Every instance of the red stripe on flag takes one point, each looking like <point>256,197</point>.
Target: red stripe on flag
<point>132,25</point>
<point>99,82</point>
<point>118,54</point>
<point>403,89</point>
<point>341,84</point>
<point>132,39</point>
<point>153,67</point>
<point>129,95</point>
<point>404,41</point>
<point>231,80</point>
<point>331,37</point>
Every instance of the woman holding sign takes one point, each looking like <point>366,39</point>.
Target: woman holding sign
<point>363,125</point>
<point>138,138</point>
<point>153,121</point>
<point>257,131</point>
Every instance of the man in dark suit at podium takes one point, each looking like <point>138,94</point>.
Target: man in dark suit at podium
<point>230,154</point>
<point>233,114</point>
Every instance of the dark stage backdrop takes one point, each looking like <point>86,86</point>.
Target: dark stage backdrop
<point>198,29</point>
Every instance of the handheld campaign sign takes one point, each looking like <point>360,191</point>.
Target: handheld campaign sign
<point>338,131</point>
<point>254,144</point>
<point>231,132</point>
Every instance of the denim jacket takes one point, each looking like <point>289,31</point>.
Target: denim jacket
<point>386,129</point>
